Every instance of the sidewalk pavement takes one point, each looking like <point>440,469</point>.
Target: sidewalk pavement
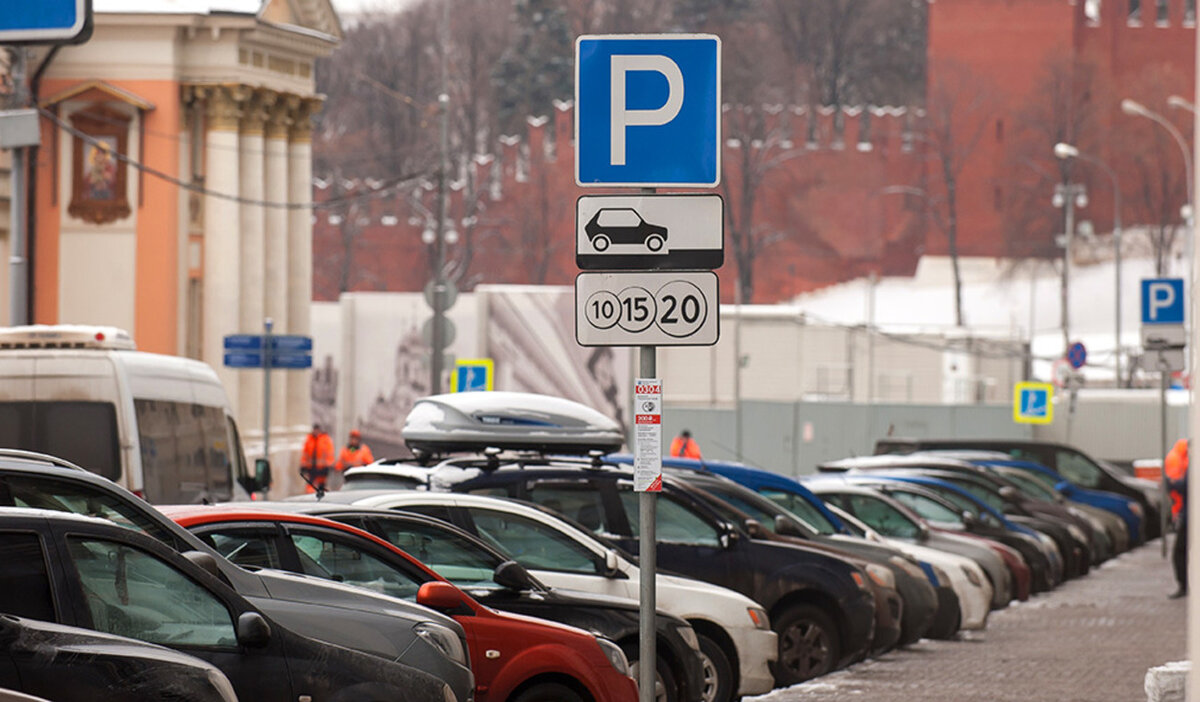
<point>1090,640</point>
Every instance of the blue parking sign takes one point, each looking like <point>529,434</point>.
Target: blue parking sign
<point>45,21</point>
<point>1162,301</point>
<point>648,110</point>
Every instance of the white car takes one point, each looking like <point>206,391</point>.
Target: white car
<point>728,624</point>
<point>967,579</point>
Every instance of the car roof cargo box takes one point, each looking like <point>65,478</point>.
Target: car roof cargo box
<point>473,421</point>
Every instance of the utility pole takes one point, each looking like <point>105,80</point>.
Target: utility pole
<point>1069,196</point>
<point>437,351</point>
<point>17,261</point>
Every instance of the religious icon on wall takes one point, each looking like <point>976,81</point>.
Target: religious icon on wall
<point>98,182</point>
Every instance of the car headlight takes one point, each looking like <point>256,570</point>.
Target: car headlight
<point>971,576</point>
<point>444,640</point>
<point>907,566</point>
<point>1136,508</point>
<point>688,634</point>
<point>615,655</point>
<point>759,617</point>
<point>882,576</point>
<point>1077,533</point>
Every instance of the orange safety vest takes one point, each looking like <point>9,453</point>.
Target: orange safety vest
<point>316,459</point>
<point>685,448</point>
<point>1175,469</point>
<point>351,457</point>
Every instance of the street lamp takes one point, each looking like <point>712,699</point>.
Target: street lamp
<point>1069,196</point>
<point>1130,107</point>
<point>1066,151</point>
<point>1181,103</point>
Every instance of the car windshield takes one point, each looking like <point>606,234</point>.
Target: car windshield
<point>1031,485</point>
<point>801,507</point>
<point>981,493</point>
<point>451,556</point>
<point>757,507</point>
<point>927,507</point>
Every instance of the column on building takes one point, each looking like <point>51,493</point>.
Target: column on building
<point>253,226</point>
<point>221,297</point>
<point>275,270</point>
<point>300,260</point>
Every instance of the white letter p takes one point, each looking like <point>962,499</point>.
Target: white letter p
<point>623,117</point>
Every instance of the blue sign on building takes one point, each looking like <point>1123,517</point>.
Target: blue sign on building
<point>45,21</point>
<point>1163,301</point>
<point>648,110</point>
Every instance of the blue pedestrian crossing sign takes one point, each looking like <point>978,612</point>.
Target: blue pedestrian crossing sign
<point>473,375</point>
<point>1031,403</point>
<point>648,110</point>
<point>1162,301</point>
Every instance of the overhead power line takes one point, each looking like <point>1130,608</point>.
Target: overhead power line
<point>388,186</point>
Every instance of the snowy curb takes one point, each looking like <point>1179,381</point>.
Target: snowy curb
<point>1165,683</point>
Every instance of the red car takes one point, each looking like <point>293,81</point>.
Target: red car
<point>514,658</point>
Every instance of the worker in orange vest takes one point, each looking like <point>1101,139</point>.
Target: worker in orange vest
<point>683,446</point>
<point>316,459</point>
<point>354,453</point>
<point>1175,469</point>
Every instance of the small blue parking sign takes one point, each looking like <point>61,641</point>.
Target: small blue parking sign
<point>1162,301</point>
<point>648,110</point>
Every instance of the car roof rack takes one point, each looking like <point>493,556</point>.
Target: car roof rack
<point>39,457</point>
<point>490,423</point>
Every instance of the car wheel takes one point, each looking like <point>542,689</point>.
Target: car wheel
<point>600,243</point>
<point>665,689</point>
<point>718,673</point>
<point>548,692</point>
<point>654,242</point>
<point>808,644</point>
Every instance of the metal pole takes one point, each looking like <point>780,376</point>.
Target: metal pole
<point>737,371</point>
<point>18,305</point>
<point>1069,193</point>
<point>268,324</point>
<point>438,343</point>
<point>647,651</point>
<point>1165,378</point>
<point>872,281</point>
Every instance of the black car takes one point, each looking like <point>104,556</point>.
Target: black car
<point>340,615</point>
<point>820,605</point>
<point>623,225</point>
<point>1074,465</point>
<point>91,573</point>
<point>69,664</point>
<point>921,600</point>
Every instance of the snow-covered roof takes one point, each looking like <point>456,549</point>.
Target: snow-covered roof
<point>178,7</point>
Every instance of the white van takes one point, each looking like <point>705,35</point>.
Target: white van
<point>159,425</point>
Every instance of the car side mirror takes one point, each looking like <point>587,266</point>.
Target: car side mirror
<point>1009,492</point>
<point>253,631</point>
<point>439,595</point>
<point>512,575</point>
<point>1064,487</point>
<point>787,527</point>
<point>969,520</point>
<point>612,564</point>
<point>262,473</point>
<point>204,561</point>
<point>754,529</point>
<point>922,532</point>
<point>729,535</point>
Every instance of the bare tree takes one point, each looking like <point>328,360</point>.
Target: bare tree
<point>955,117</point>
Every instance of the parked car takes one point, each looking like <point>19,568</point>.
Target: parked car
<point>1073,464</point>
<point>88,572</point>
<point>516,658</point>
<point>70,664</point>
<point>338,614</point>
<point>735,642</point>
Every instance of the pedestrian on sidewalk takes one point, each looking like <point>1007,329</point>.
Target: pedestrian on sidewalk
<point>683,446</point>
<point>354,453</point>
<point>1175,469</point>
<point>316,459</point>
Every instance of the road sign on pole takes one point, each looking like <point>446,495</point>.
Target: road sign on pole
<point>1163,301</point>
<point>650,106</point>
<point>1077,355</point>
<point>45,22</point>
<point>288,351</point>
<point>473,375</point>
<point>1031,403</point>
<point>647,308</point>
<point>649,232</point>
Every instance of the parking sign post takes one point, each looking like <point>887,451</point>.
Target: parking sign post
<point>648,114</point>
<point>1164,307</point>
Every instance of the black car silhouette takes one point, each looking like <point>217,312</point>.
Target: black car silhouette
<point>623,225</point>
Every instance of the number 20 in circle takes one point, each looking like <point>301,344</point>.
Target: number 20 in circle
<point>681,308</point>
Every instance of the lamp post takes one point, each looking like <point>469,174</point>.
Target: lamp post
<point>1068,196</point>
<point>1131,107</point>
<point>1065,151</point>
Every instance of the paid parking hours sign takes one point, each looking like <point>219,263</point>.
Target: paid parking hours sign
<point>647,436</point>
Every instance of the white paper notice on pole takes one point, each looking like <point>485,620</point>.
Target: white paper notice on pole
<point>647,435</point>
